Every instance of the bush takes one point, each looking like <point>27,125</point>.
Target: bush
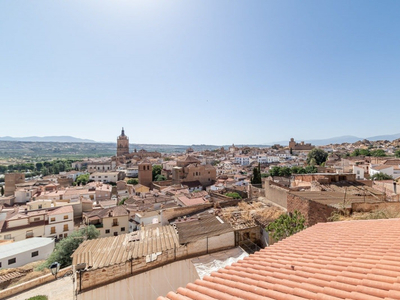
<point>132,181</point>
<point>233,195</point>
<point>40,297</point>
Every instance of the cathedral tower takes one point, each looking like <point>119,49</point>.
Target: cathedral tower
<point>122,144</point>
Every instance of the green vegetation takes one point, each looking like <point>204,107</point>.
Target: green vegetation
<point>2,190</point>
<point>286,225</point>
<point>132,181</point>
<point>156,171</point>
<point>82,179</point>
<point>397,153</point>
<point>256,178</point>
<point>122,202</point>
<point>64,249</point>
<point>160,177</point>
<point>316,157</point>
<point>286,171</point>
<point>381,176</point>
<point>368,152</point>
<point>233,195</point>
<point>40,297</point>
<point>45,168</point>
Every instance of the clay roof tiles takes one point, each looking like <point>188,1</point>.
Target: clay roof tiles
<point>340,260</point>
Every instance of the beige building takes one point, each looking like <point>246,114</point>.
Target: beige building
<point>122,144</point>
<point>145,173</point>
<point>10,181</point>
<point>190,169</point>
<point>109,221</point>
<point>18,225</point>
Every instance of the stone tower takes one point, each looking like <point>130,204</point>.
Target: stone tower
<point>145,173</point>
<point>122,144</point>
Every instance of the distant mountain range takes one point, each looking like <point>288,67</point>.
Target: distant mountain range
<point>320,142</point>
<point>343,139</point>
<point>59,139</point>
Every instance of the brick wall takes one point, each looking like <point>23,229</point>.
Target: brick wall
<point>313,212</point>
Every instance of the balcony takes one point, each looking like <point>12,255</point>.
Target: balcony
<point>98,225</point>
<point>115,224</point>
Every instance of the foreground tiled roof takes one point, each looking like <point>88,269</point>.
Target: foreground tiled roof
<point>341,260</point>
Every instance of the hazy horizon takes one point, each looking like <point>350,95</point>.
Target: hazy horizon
<point>199,72</point>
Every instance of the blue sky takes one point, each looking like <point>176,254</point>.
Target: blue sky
<point>199,72</point>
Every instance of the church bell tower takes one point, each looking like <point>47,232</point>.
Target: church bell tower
<point>122,144</point>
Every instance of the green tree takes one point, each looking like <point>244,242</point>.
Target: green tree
<point>64,249</point>
<point>286,225</point>
<point>233,195</point>
<point>378,153</point>
<point>319,155</point>
<point>397,153</point>
<point>82,179</point>
<point>285,171</point>
<point>122,202</point>
<point>274,171</point>
<point>381,176</point>
<point>132,181</point>
<point>45,171</point>
<point>156,171</point>
<point>160,177</point>
<point>256,178</point>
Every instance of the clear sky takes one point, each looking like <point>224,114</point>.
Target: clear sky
<point>199,72</point>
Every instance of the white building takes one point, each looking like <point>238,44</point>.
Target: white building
<point>20,253</point>
<point>242,160</point>
<point>60,222</point>
<point>359,172</point>
<point>132,172</point>
<point>104,176</point>
<point>375,169</point>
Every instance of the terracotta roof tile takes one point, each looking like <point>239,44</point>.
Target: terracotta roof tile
<point>341,260</point>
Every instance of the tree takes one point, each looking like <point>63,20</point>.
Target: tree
<point>160,177</point>
<point>2,191</point>
<point>82,179</point>
<point>156,171</point>
<point>122,202</point>
<point>378,153</point>
<point>319,155</point>
<point>286,225</point>
<point>256,178</point>
<point>381,176</point>
<point>64,249</point>
<point>233,195</point>
<point>132,181</point>
<point>397,153</point>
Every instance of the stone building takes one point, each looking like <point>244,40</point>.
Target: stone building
<point>299,146</point>
<point>122,144</point>
<point>145,173</point>
<point>190,169</point>
<point>10,181</point>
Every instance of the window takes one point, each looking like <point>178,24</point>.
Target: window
<point>7,237</point>
<point>107,231</point>
<point>52,219</point>
<point>65,235</point>
<point>65,217</point>
<point>52,230</point>
<point>35,253</point>
<point>12,261</point>
<point>115,233</point>
<point>105,176</point>
<point>29,234</point>
<point>66,227</point>
<point>40,206</point>
<point>36,219</point>
<point>0,264</point>
<point>122,228</point>
<point>115,222</point>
